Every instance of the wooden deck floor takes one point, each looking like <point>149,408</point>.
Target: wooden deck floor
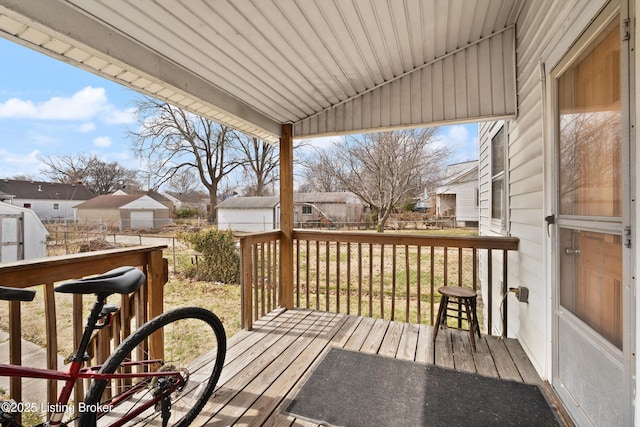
<point>265,367</point>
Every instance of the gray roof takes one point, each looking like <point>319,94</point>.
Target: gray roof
<point>40,190</point>
<point>326,197</point>
<point>109,201</point>
<point>260,202</point>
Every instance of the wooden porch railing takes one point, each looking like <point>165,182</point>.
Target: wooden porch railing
<point>391,276</point>
<point>136,308</point>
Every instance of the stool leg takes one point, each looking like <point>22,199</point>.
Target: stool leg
<point>475,316</point>
<point>436,327</point>
<point>439,318</point>
<point>471,323</point>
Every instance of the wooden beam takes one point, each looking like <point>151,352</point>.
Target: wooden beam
<point>286,217</point>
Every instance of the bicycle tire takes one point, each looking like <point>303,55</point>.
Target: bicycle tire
<point>131,343</point>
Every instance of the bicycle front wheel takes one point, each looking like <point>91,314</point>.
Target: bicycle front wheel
<point>194,348</point>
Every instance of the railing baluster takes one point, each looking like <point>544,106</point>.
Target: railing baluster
<point>348,277</point>
<point>52,341</point>
<point>432,277</point>
<point>408,276</point>
<point>419,284</point>
<point>381,281</point>
<point>490,291</point>
<point>359,279</point>
<point>327,278</point>
<point>446,266</point>
<point>15,348</point>
<point>393,282</point>
<point>307,277</point>
<point>370,280</point>
<point>459,266</point>
<point>297,273</point>
<point>317,274</point>
<point>505,287</point>
<point>474,279</point>
<point>256,284</point>
<point>337,277</point>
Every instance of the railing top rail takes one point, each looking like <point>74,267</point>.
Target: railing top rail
<point>35,272</point>
<point>259,237</point>
<point>478,242</point>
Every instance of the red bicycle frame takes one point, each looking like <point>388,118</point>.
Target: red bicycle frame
<point>76,372</point>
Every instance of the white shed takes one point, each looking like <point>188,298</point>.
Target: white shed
<point>249,213</point>
<point>458,196</point>
<point>22,234</point>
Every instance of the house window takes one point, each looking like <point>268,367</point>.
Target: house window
<point>498,187</point>
<point>56,206</point>
<point>306,210</point>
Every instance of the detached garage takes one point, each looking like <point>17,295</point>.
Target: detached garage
<point>123,211</point>
<point>249,214</point>
<point>22,234</point>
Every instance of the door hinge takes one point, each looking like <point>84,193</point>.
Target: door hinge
<point>627,236</point>
<point>627,35</point>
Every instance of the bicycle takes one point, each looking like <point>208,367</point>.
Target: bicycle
<point>130,386</point>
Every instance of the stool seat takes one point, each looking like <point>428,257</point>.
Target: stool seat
<point>460,297</point>
<point>457,292</point>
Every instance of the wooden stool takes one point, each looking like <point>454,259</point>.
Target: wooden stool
<point>460,297</point>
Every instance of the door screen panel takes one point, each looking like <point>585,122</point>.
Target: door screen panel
<point>590,130</point>
<point>591,271</point>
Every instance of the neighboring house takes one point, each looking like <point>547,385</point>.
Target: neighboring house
<point>424,203</point>
<point>249,213</point>
<point>123,211</point>
<point>195,200</point>
<point>49,200</point>
<point>457,198</point>
<point>162,198</point>
<point>22,234</point>
<point>323,209</point>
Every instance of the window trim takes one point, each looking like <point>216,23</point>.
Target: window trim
<point>499,225</point>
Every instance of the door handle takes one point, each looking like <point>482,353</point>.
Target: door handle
<point>572,251</point>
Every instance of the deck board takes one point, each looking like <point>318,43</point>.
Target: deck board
<point>265,367</point>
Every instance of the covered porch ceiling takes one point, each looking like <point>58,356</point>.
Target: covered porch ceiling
<point>324,66</point>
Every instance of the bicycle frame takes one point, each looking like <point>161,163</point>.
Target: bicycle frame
<point>76,372</point>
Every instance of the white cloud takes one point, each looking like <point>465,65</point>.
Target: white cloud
<point>85,105</point>
<point>87,127</point>
<point>457,134</point>
<point>102,141</point>
<point>18,164</point>
<point>114,116</point>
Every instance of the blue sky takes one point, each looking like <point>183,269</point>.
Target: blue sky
<point>49,108</point>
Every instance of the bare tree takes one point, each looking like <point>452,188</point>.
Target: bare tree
<point>261,165</point>
<point>67,168</point>
<point>184,182</point>
<point>99,176</point>
<point>319,174</point>
<point>383,169</point>
<point>172,140</point>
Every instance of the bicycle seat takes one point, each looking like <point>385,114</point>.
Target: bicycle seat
<point>121,280</point>
<point>15,294</point>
